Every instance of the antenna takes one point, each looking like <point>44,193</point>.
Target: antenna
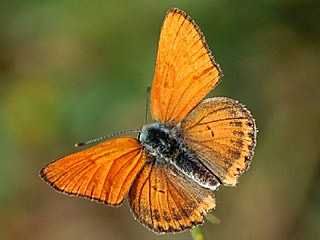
<point>147,104</point>
<point>81,144</point>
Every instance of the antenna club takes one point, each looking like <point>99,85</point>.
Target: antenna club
<point>79,144</point>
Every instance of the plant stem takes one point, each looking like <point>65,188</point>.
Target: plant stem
<point>197,234</point>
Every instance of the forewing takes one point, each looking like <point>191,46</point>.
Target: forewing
<point>222,133</point>
<point>164,200</point>
<point>185,70</point>
<point>104,172</point>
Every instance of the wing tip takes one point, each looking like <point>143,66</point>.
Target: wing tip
<point>45,178</point>
<point>174,11</point>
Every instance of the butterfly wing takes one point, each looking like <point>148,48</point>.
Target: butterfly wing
<point>222,133</point>
<point>104,172</point>
<point>164,200</point>
<point>185,70</point>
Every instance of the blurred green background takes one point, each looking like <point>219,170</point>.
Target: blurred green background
<point>76,70</point>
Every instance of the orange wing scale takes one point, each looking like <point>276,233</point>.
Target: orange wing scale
<point>222,133</point>
<point>185,70</point>
<point>104,172</point>
<point>164,200</point>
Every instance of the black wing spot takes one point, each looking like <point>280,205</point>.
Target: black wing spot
<point>234,154</point>
<point>157,190</point>
<point>238,133</point>
<point>210,129</point>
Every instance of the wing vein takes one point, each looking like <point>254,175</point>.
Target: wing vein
<point>84,171</point>
<point>170,96</point>
<point>137,162</point>
<point>66,172</point>
<point>167,197</point>
<point>173,202</point>
<point>139,205</point>
<point>219,120</point>
<point>105,180</point>
<point>197,93</point>
<point>89,181</point>
<point>169,56</point>
<point>150,205</point>
<point>221,144</point>
<point>214,111</point>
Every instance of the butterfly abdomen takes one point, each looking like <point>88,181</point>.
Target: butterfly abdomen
<point>164,145</point>
<point>193,168</point>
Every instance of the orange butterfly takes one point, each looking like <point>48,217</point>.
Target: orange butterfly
<point>195,145</point>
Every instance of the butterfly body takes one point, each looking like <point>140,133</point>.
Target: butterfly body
<point>195,145</point>
<point>161,141</point>
<point>164,144</point>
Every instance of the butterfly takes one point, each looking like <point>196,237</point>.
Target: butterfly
<point>195,145</point>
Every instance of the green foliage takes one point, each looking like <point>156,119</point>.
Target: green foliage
<point>197,234</point>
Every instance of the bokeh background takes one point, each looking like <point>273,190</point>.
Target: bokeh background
<point>77,70</point>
